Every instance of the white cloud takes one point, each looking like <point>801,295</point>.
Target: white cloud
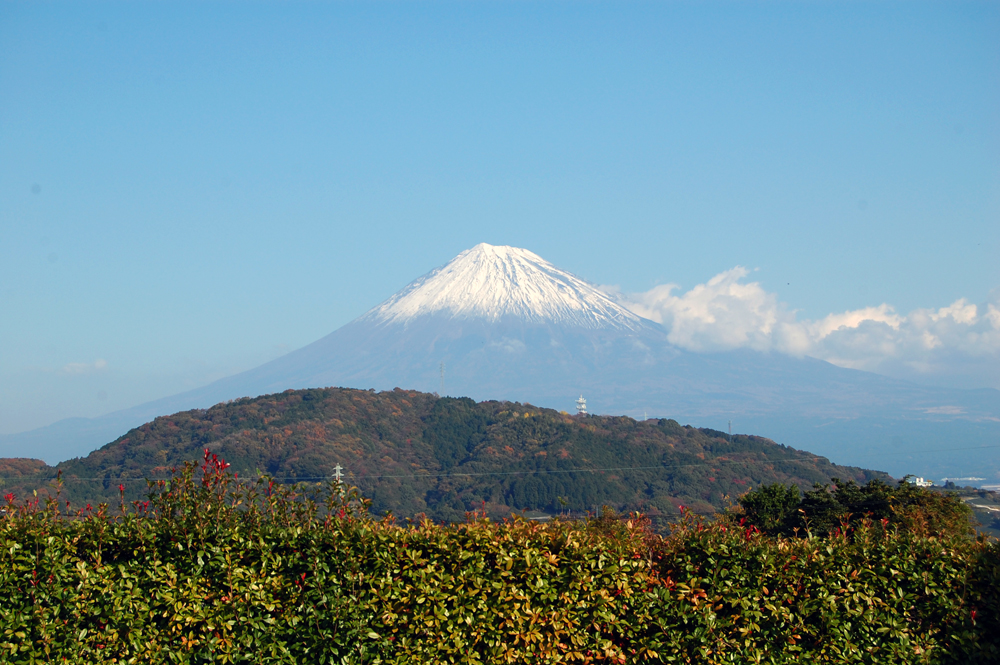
<point>509,345</point>
<point>85,368</point>
<point>959,343</point>
<point>723,314</point>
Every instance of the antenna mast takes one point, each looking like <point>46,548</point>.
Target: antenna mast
<point>730,431</point>
<point>442,379</point>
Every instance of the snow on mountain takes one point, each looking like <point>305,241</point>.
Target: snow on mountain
<point>495,282</point>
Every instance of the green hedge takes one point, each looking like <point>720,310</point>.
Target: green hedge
<point>213,569</point>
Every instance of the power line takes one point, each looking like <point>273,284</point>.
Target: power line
<point>708,463</point>
<point>812,458</point>
<point>582,470</point>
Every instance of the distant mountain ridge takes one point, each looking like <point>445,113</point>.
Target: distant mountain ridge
<point>502,323</point>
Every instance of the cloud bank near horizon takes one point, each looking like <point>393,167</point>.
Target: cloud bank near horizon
<point>85,368</point>
<point>956,345</point>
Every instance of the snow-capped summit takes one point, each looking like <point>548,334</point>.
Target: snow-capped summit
<point>495,282</point>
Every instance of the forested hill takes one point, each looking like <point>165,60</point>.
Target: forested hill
<point>413,452</point>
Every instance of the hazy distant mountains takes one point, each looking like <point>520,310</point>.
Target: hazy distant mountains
<point>506,324</point>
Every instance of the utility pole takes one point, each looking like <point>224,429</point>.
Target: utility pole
<point>337,472</point>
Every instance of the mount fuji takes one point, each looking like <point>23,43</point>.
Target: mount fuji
<point>503,323</point>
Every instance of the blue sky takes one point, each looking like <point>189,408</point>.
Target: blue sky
<point>190,189</point>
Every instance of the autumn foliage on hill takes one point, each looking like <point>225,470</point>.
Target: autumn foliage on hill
<point>212,568</point>
<point>415,453</point>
